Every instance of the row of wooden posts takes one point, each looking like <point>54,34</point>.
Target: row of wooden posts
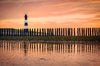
<point>51,32</point>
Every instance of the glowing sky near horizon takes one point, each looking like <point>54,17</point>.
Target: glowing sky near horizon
<point>50,13</point>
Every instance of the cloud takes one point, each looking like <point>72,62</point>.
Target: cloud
<point>47,1</point>
<point>18,1</point>
<point>51,13</point>
<point>37,10</point>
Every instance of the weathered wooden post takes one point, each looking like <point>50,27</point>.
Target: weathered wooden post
<point>43,32</point>
<point>82,31</point>
<point>52,32</point>
<point>15,32</point>
<point>90,31</point>
<point>8,32</point>
<point>63,31</point>
<point>74,31</point>
<point>32,31</point>
<point>86,31</point>
<point>1,31</point>
<point>99,31</point>
<point>77,32</point>
<point>47,32</point>
<point>68,31</point>
<point>59,31</point>
<point>19,31</point>
<point>4,31</point>
<point>28,32</point>
<point>71,31</point>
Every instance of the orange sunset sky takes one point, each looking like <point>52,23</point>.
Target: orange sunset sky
<point>50,13</point>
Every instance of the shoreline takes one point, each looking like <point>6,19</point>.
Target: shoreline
<point>50,38</point>
<point>72,42</point>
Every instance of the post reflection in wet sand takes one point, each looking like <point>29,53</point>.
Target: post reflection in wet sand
<point>61,53</point>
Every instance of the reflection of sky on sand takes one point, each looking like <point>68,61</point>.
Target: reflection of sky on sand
<point>21,53</point>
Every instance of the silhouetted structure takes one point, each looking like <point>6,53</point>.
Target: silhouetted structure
<point>51,32</point>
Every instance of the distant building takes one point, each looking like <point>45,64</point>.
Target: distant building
<point>26,24</point>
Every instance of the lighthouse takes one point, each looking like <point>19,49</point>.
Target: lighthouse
<point>26,24</point>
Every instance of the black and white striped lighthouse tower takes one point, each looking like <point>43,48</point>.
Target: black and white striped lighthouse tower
<point>26,24</point>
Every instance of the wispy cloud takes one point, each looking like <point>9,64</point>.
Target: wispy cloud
<point>51,13</point>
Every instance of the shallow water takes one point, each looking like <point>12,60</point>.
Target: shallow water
<point>25,53</point>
